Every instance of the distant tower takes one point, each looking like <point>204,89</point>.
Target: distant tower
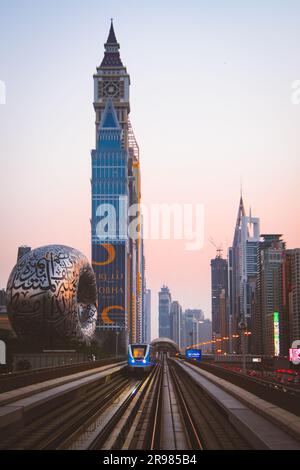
<point>250,235</point>
<point>243,270</point>
<point>292,293</point>
<point>175,322</point>
<point>192,319</point>
<point>236,271</point>
<point>219,285</point>
<point>164,307</point>
<point>147,316</point>
<point>270,298</point>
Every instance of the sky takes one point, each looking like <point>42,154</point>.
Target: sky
<point>211,107</point>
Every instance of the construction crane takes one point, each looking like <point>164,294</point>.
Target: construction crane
<point>219,248</point>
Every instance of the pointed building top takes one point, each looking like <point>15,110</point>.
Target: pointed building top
<point>111,36</point>
<point>241,207</point>
<point>109,119</point>
<point>111,54</point>
<point>241,213</point>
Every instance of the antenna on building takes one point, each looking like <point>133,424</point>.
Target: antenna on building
<point>219,247</point>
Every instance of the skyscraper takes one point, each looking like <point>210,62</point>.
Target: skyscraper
<point>219,284</point>
<point>205,334</point>
<point>175,321</point>
<point>243,271</point>
<point>292,293</point>
<point>109,226</point>
<point>250,236</point>
<point>224,324</point>
<point>164,307</point>
<point>230,297</point>
<point>116,257</point>
<point>193,320</point>
<point>269,325</point>
<point>147,316</point>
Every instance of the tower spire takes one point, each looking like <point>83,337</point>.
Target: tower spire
<point>111,36</point>
<point>111,54</point>
<point>241,213</point>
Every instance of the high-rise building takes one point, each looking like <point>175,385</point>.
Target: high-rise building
<point>236,274</point>
<point>243,269</point>
<point>192,321</point>
<point>147,316</point>
<point>219,284</point>
<point>269,325</point>
<point>224,325</point>
<point>230,297</point>
<point>205,335</point>
<point>175,321</point>
<point>118,258</point>
<point>292,293</point>
<point>197,313</point>
<point>164,307</point>
<point>250,237</point>
<point>109,226</point>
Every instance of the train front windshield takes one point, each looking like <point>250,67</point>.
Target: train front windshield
<point>138,352</point>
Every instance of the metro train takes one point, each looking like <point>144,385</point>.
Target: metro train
<point>141,357</point>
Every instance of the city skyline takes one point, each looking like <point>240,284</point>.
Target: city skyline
<point>235,121</point>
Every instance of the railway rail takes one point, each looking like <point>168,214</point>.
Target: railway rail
<point>178,415</point>
<point>208,426</point>
<point>167,409</point>
<point>281,395</point>
<point>14,380</point>
<point>51,429</point>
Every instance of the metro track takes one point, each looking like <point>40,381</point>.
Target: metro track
<point>178,415</point>
<point>206,423</point>
<point>166,410</point>
<point>282,395</point>
<point>50,430</point>
<point>18,379</point>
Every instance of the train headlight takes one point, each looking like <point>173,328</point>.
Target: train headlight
<point>144,361</point>
<point>133,361</point>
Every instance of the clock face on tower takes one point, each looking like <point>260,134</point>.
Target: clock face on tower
<point>112,89</point>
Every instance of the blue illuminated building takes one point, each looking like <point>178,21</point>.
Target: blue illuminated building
<point>109,226</point>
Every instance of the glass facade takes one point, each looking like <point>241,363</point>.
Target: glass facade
<point>109,221</point>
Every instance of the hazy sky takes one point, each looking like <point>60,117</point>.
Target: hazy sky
<point>210,105</point>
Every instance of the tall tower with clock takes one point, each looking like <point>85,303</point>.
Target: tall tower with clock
<point>118,263</point>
